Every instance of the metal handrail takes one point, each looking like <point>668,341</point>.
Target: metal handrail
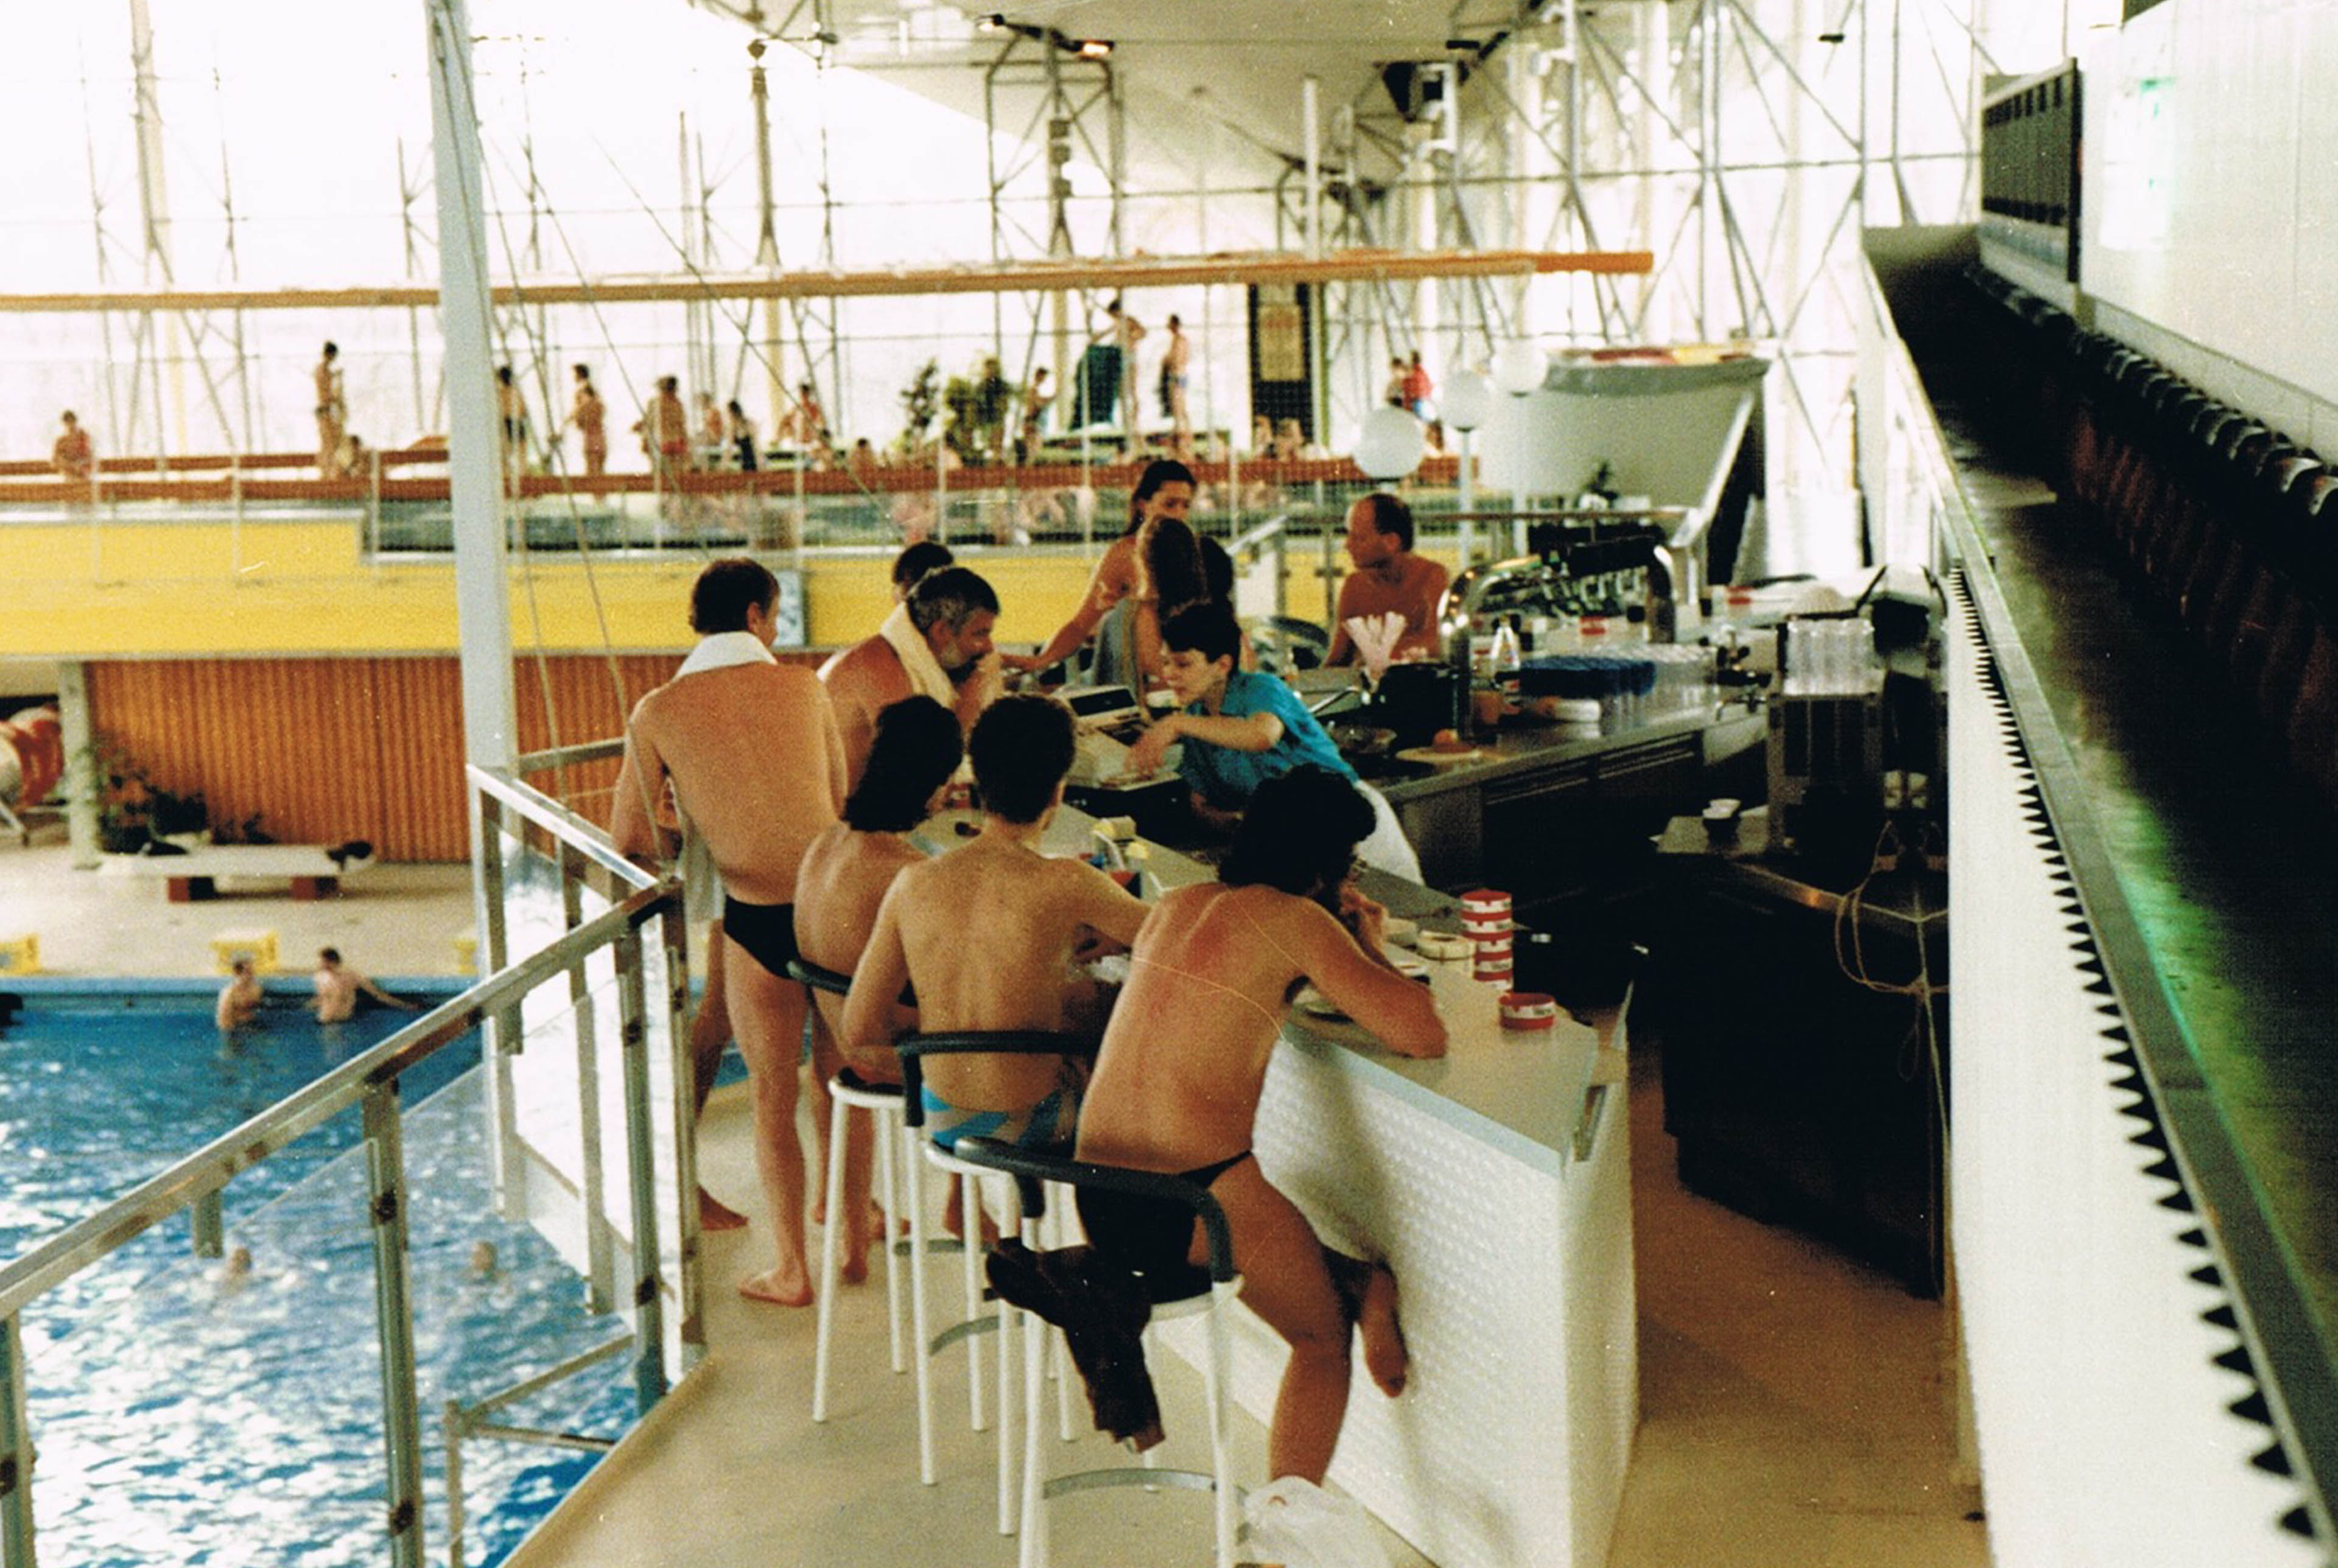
<point>212,1167</point>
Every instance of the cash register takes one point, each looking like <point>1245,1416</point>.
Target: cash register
<point>1106,722</point>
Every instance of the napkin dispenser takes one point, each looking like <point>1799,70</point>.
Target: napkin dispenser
<point>1417,701</point>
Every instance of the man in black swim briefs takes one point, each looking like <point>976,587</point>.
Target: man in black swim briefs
<point>1183,1063</point>
<point>750,750</point>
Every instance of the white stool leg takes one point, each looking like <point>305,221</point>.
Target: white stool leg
<point>1059,1353</point>
<point>885,1127</point>
<point>1008,1324</point>
<point>969,1215</point>
<point>913,1176</point>
<point>1037,1337</point>
<point>825,1333</point>
<point>1216,1371</point>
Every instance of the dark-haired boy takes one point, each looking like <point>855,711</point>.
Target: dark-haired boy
<point>1241,728</point>
<point>985,936</point>
<point>840,886</point>
<point>1177,1085</point>
<point>1389,579</point>
<point>751,751</point>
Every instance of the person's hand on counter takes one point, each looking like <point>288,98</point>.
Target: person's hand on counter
<point>1367,921</point>
<point>1149,750</point>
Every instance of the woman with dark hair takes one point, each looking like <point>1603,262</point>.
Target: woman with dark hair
<point>1165,489</point>
<point>840,884</point>
<point>1171,576</point>
<point>1177,1085</point>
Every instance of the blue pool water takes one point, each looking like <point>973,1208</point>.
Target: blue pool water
<point>186,1418</point>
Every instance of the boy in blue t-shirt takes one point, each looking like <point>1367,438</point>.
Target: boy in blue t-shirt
<point>1240,727</point>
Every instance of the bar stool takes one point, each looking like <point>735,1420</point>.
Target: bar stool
<point>848,1092</point>
<point>1181,1292</point>
<point>919,1150</point>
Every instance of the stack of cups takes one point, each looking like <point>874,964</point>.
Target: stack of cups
<point>1486,921</point>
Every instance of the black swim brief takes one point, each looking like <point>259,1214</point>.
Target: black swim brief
<point>767,931</point>
<point>1147,1236</point>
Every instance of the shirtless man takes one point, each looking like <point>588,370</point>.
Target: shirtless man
<point>337,985</point>
<point>1173,362</point>
<point>511,411</point>
<point>1389,579</point>
<point>71,457</point>
<point>590,417</point>
<point>751,751</point>
<point>1165,489</point>
<point>935,643</point>
<point>332,407</point>
<point>664,430</point>
<point>985,936</point>
<point>238,999</point>
<point>1127,331</point>
<point>842,883</point>
<point>1176,1088</point>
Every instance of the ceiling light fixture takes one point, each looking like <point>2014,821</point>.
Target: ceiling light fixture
<point>1095,49</point>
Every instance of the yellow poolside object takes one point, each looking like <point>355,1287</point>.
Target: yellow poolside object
<point>259,945</point>
<point>466,952</point>
<point>21,954</point>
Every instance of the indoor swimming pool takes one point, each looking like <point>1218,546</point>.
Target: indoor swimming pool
<point>188,1410</point>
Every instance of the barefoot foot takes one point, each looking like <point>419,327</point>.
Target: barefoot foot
<point>714,1214</point>
<point>779,1287</point>
<point>854,1270</point>
<point>1384,1352</point>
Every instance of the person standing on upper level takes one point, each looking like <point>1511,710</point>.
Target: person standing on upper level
<point>72,457</point>
<point>590,417</point>
<point>333,408</point>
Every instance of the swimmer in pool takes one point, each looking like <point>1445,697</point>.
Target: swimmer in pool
<point>1177,1085</point>
<point>338,987</point>
<point>238,999</point>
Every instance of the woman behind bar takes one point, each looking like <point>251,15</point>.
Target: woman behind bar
<point>1165,489</point>
<point>1177,1085</point>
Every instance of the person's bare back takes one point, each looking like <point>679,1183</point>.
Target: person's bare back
<point>840,887</point>
<point>986,934</point>
<point>1210,974</point>
<point>756,763</point>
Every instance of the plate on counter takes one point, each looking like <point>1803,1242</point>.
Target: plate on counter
<point>1436,759</point>
<point>1316,1005</point>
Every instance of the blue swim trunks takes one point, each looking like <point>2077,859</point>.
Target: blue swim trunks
<point>1047,1127</point>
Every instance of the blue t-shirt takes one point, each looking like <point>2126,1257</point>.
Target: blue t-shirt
<point>1226,778</point>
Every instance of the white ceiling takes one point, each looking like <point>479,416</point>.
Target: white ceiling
<point>1220,79</point>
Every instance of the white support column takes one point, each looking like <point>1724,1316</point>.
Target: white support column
<point>481,601</point>
<point>81,762</point>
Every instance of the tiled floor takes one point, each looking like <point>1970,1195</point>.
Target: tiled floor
<point>1795,1405</point>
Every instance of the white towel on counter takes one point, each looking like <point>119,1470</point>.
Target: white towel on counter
<point>927,677</point>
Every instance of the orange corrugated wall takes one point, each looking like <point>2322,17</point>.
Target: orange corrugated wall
<point>328,749</point>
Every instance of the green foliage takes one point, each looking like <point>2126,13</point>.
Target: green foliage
<point>133,808</point>
<point>919,401</point>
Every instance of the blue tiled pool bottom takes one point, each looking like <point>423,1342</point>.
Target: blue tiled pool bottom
<point>186,1416</point>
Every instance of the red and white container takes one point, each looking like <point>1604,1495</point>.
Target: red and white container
<point>1492,966</point>
<point>1525,1010</point>
<point>1485,904</point>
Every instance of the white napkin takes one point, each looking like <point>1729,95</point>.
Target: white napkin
<point>1376,639</point>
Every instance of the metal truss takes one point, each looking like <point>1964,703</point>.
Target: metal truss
<point>1041,103</point>
<point>1746,143</point>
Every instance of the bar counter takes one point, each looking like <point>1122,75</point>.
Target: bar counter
<point>1495,1183</point>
